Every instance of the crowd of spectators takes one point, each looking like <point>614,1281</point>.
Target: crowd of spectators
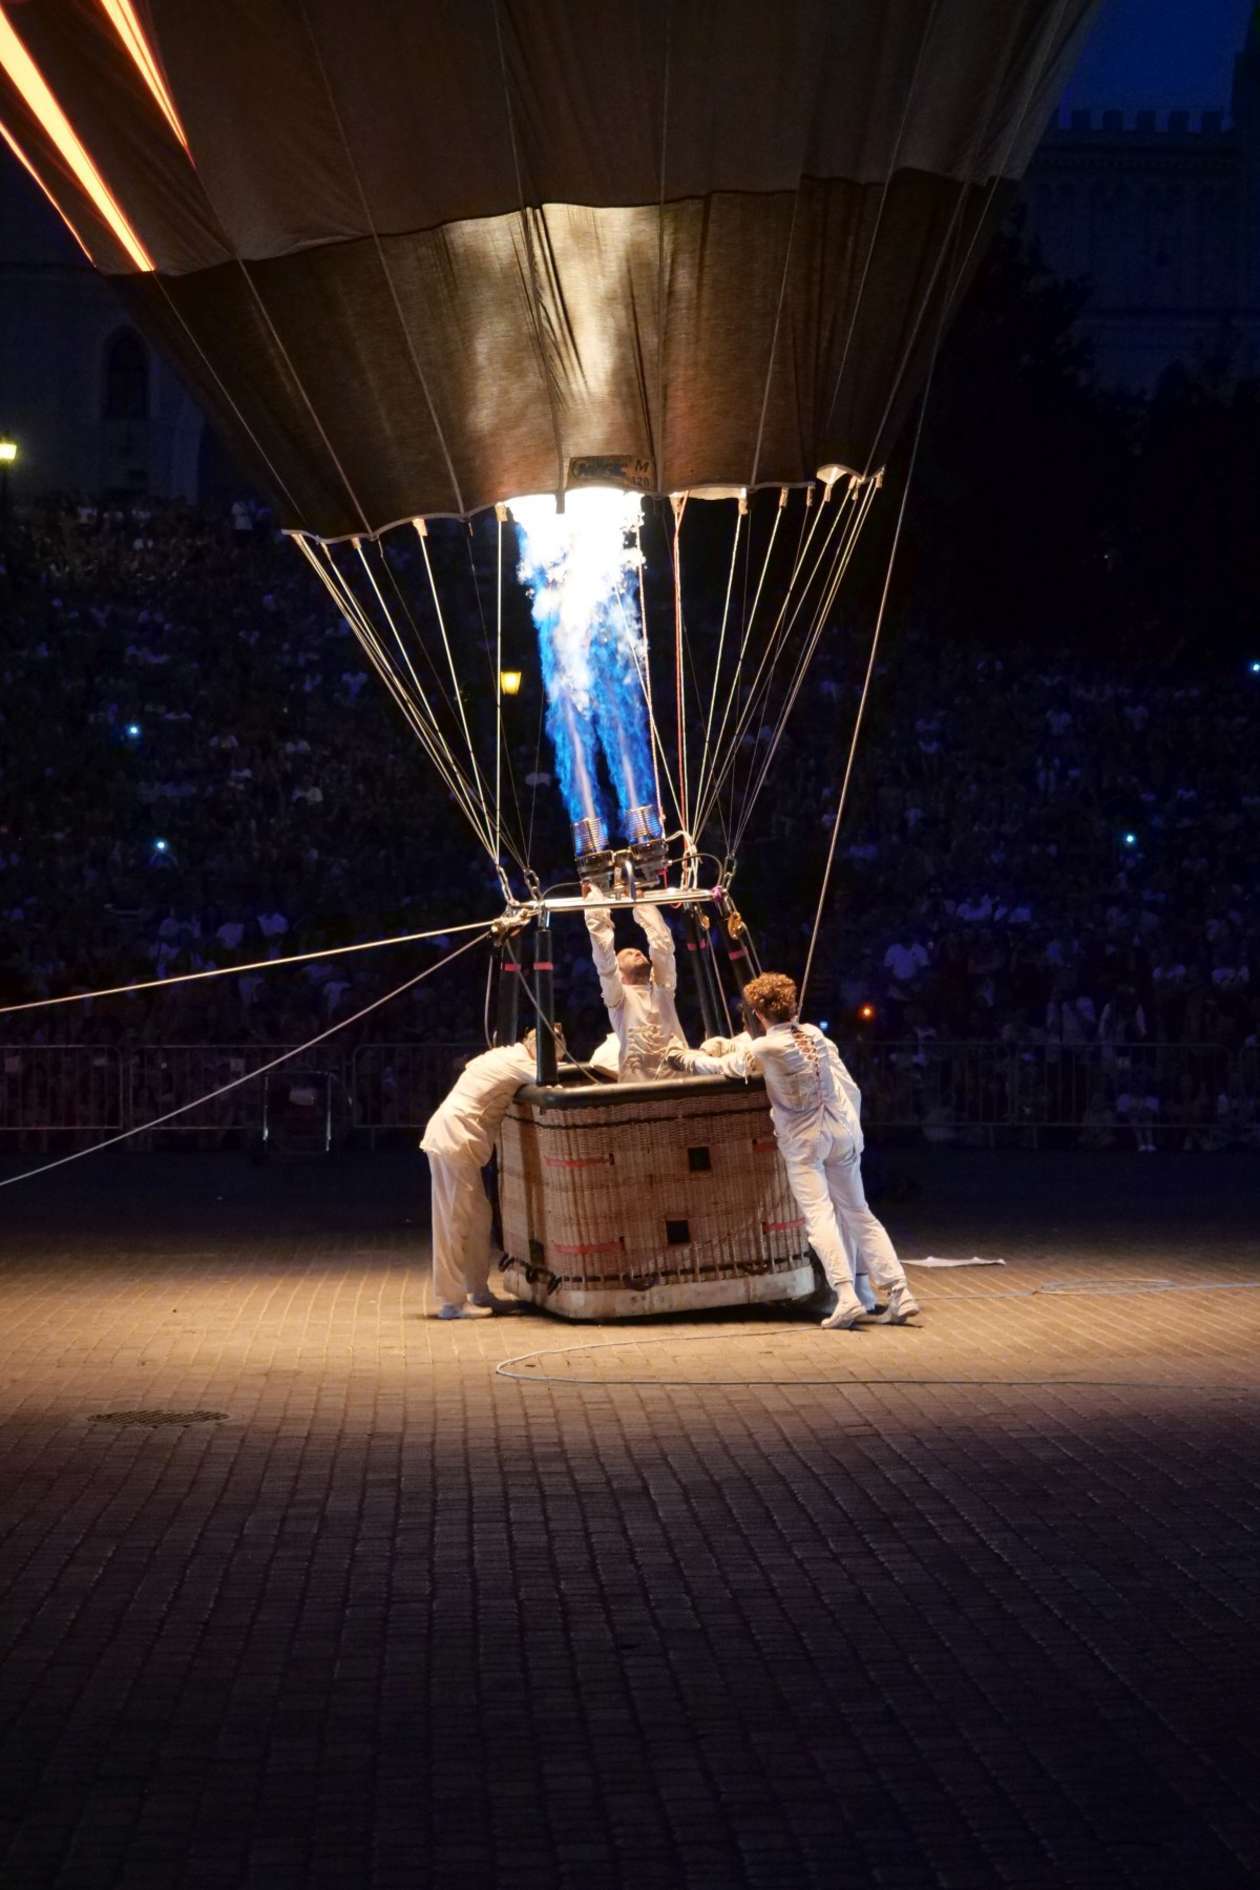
<point>198,769</point>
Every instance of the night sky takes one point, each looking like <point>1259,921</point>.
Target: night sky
<point>1160,55</point>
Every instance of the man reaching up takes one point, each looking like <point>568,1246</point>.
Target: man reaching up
<point>638,991</point>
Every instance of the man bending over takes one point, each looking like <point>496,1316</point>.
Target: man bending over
<point>459,1140</point>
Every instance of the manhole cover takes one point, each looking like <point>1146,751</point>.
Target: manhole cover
<point>155,1417</point>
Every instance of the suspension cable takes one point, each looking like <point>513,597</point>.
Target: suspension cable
<point>741,507</point>
<point>428,734</point>
<point>808,651</point>
<point>423,535</point>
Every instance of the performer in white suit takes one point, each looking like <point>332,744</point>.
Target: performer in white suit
<point>638,992</point>
<point>814,1105</point>
<point>459,1140</point>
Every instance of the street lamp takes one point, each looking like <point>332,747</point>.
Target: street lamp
<point>8,457</point>
<point>510,681</point>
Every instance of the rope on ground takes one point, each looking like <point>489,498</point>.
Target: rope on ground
<point>506,1368</point>
<point>286,1056</point>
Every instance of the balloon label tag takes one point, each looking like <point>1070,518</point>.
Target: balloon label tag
<point>606,469</point>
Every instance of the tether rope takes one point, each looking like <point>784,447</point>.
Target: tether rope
<point>286,1056</point>
<point>507,1368</point>
<point>236,971</point>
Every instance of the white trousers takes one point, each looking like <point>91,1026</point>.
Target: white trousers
<point>827,1184</point>
<point>461,1229</point>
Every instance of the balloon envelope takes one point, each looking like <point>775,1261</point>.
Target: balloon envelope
<point>417,256</point>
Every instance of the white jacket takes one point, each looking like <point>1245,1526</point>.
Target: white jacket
<point>642,1015</point>
<point>813,1099</point>
<point>465,1125</point>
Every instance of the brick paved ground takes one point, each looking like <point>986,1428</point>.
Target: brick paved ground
<point>717,1603</point>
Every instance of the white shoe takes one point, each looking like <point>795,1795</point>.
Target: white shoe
<point>478,1306</point>
<point>849,1309</point>
<point>902,1305</point>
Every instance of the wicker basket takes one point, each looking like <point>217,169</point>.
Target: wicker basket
<point>634,1198</point>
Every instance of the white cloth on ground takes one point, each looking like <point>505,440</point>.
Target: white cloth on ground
<point>935,1260</point>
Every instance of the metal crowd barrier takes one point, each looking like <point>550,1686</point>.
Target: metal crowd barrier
<point>60,1089</point>
<point>399,1085</point>
<point>947,1092</point>
<point>163,1077</point>
<point>961,1091</point>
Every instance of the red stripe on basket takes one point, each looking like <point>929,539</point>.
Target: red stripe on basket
<point>782,1227</point>
<point>763,1142</point>
<point>691,944</point>
<point>510,965</point>
<point>731,953</point>
<point>543,964</point>
<point>598,1246</point>
<point>577,1161</point>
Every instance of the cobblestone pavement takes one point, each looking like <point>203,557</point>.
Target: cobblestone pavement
<point>720,1602</point>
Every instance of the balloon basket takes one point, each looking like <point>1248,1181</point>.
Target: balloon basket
<point>623,1200</point>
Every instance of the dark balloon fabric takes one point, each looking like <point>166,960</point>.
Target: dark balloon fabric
<point>423,255</point>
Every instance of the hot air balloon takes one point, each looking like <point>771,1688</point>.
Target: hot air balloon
<point>478,284</point>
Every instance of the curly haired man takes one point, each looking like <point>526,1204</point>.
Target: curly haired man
<point>815,1107</point>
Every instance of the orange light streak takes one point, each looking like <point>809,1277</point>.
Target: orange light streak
<point>27,79</point>
<point>122,17</point>
<point>26,164</point>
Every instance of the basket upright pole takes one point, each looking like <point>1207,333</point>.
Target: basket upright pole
<point>508,1024</point>
<point>699,954</point>
<point>544,1004</point>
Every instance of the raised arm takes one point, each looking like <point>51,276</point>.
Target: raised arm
<point>604,951</point>
<point>660,946</point>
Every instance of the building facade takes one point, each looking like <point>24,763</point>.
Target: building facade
<point>92,406</point>
<point>1161,220</point>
